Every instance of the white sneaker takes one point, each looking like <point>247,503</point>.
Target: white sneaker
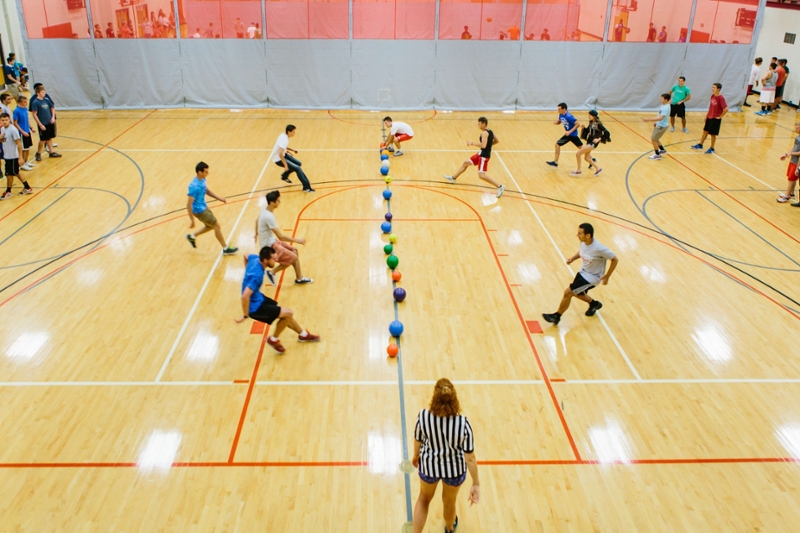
<point>26,167</point>
<point>672,128</point>
<point>398,152</point>
<point>685,130</point>
<point>500,190</point>
<point>451,179</point>
<point>655,156</point>
<point>55,145</point>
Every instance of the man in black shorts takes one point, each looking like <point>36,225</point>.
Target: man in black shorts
<point>571,125</point>
<point>258,307</point>
<point>717,108</point>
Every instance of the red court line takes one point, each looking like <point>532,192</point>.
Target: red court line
<point>250,387</point>
<point>393,220</point>
<point>714,185</point>
<point>490,462</point>
<point>37,193</point>
<point>516,285</point>
<point>241,381</point>
<point>257,328</point>
<point>502,255</point>
<point>558,380</point>
<point>522,321</point>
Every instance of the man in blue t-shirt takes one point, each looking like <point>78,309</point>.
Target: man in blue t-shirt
<point>571,125</point>
<point>44,113</point>
<point>22,122</point>
<point>52,105</point>
<point>11,81</point>
<point>197,208</point>
<point>660,126</point>
<point>263,309</point>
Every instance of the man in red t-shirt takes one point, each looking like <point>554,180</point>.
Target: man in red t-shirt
<point>781,72</point>
<point>717,109</point>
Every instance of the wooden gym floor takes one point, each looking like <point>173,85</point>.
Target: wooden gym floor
<point>133,402</point>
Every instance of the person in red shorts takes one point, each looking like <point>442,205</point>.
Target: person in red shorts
<point>398,132</point>
<point>717,108</point>
<point>792,171</point>
<point>481,159</point>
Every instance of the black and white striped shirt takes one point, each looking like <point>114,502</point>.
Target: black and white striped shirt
<point>444,440</point>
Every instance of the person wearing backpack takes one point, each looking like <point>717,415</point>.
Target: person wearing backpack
<point>594,134</point>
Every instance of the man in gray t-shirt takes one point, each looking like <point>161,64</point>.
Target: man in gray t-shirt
<point>592,273</point>
<point>791,172</point>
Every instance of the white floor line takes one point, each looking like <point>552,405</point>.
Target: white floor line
<point>745,172</point>
<point>208,278</point>
<point>564,259</point>
<point>501,382</point>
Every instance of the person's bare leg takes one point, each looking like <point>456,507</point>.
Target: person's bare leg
<point>565,301</point>
<point>584,298</point>
<point>683,121</point>
<point>488,179</point>
<point>449,495</point>
<point>672,121</point>
<point>461,170</point>
<point>50,146</point>
<point>286,320</point>
<point>703,137</point>
<point>218,234</point>
<point>790,188</point>
<point>713,140</point>
<point>558,153</point>
<point>199,232</point>
<point>426,494</point>
<point>583,151</point>
<point>655,146</point>
<point>9,181</point>
<point>279,268</point>
<point>298,274</point>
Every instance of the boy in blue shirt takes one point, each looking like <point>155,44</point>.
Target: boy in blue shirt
<point>197,208</point>
<point>660,126</point>
<point>22,123</point>
<point>571,125</point>
<point>263,309</point>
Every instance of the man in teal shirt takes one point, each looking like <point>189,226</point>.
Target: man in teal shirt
<point>680,95</point>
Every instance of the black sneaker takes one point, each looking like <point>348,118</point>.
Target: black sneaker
<point>455,525</point>
<point>593,308</point>
<point>795,204</point>
<point>230,250</point>
<point>552,163</point>
<point>271,277</point>
<point>309,190</point>
<point>286,179</point>
<point>38,157</point>
<point>553,318</point>
<point>303,281</point>
<point>192,240</point>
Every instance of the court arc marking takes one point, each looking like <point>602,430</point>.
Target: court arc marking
<point>564,259</point>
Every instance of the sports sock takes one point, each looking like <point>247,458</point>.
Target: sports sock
<point>25,183</point>
<point>304,333</point>
<point>272,339</point>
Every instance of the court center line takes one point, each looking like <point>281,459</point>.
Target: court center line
<point>564,259</point>
<point>208,278</point>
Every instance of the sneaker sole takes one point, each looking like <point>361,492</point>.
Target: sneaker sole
<point>307,340</point>
<point>277,350</point>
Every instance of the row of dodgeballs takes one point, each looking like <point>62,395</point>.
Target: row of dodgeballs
<point>399,294</point>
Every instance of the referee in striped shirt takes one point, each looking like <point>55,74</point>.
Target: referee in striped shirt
<point>444,449</point>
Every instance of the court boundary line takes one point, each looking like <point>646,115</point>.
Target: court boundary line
<point>564,259</point>
<point>208,278</point>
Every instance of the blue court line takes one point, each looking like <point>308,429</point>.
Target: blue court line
<point>33,218</point>
<point>765,267</point>
<point>751,230</point>
<point>404,428</point>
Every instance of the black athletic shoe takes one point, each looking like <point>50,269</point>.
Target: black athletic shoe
<point>271,277</point>
<point>455,525</point>
<point>746,104</point>
<point>552,163</point>
<point>192,240</point>
<point>230,250</point>
<point>309,190</point>
<point>286,179</point>
<point>553,318</point>
<point>593,308</point>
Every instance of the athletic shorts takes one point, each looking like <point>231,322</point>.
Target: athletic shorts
<point>401,138</point>
<point>267,312</point>
<point>574,139</point>
<point>284,254</point>
<point>677,110</point>
<point>767,95</point>
<point>791,172</point>
<point>451,481</point>
<point>481,162</point>
<point>712,126</point>
<point>580,286</point>
<point>207,218</point>
<point>779,91</point>
<point>27,142</point>
<point>658,132</point>
<point>12,167</point>
<point>48,133</point>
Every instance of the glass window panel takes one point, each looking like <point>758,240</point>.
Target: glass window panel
<point>476,19</point>
<point>565,20</point>
<point>123,19</point>
<point>314,19</point>
<point>653,21</point>
<point>55,19</point>
<point>203,19</point>
<point>394,19</point>
<point>724,21</point>
<point>238,15</point>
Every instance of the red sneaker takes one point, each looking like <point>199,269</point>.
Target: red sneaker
<point>276,345</point>
<point>308,337</point>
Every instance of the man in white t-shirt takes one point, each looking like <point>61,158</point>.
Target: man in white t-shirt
<point>592,273</point>
<point>251,31</point>
<point>268,233</point>
<point>755,75</point>
<point>12,150</point>
<point>398,132</point>
<point>281,157</point>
